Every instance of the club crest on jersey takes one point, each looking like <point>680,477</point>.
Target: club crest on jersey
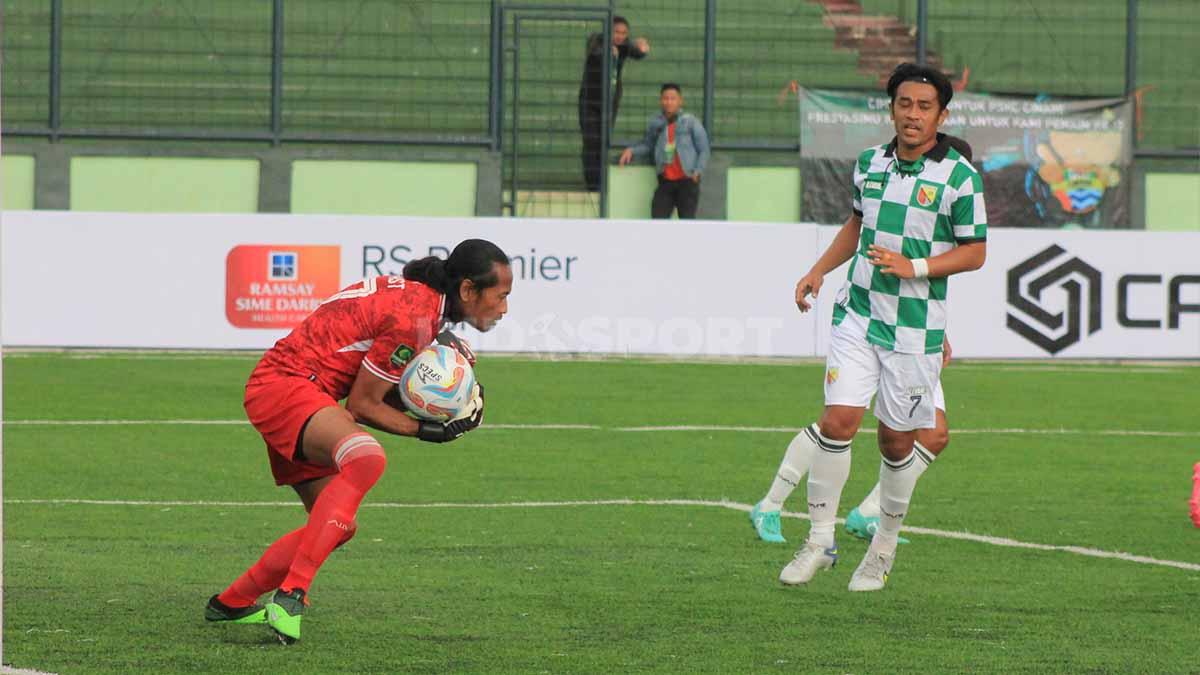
<point>402,355</point>
<point>927,194</point>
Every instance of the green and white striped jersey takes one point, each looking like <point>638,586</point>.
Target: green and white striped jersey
<point>921,209</point>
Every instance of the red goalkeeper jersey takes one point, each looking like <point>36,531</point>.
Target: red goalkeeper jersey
<point>378,323</point>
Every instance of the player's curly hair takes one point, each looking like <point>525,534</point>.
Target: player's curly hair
<point>473,259</point>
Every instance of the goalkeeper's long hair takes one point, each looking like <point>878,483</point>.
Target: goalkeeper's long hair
<point>473,259</point>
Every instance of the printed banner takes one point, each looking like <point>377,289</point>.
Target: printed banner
<point>277,286</point>
<point>1045,162</point>
<point>1069,294</point>
<point>681,288</point>
<point>242,281</point>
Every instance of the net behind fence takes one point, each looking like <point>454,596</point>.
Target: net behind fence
<point>544,136</point>
<point>385,67</point>
<point>166,63</point>
<point>1072,48</point>
<point>1168,73</point>
<point>420,70</point>
<point>25,84</point>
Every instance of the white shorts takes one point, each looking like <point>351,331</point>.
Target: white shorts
<point>908,385</point>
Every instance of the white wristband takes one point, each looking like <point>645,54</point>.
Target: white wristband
<point>920,268</point>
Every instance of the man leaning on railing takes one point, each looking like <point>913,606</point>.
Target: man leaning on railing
<point>681,151</point>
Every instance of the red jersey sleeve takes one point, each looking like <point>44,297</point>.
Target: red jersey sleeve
<point>404,319</point>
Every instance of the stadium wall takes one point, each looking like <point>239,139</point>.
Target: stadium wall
<point>164,184</point>
<point>283,181</point>
<point>377,188</point>
<point>247,178</point>
<point>18,187</point>
<point>614,287</point>
<point>1173,201</point>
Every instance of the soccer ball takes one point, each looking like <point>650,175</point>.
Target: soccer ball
<point>437,384</point>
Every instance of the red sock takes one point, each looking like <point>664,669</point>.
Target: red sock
<point>268,573</point>
<point>361,462</point>
<point>264,575</point>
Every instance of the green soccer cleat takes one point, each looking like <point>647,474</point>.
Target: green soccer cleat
<point>767,525</point>
<point>219,611</point>
<point>863,527</point>
<point>284,613</point>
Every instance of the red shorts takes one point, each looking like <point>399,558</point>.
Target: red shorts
<point>279,406</point>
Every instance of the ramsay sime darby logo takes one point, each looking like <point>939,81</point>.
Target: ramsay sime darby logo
<point>1054,331</point>
<point>277,286</point>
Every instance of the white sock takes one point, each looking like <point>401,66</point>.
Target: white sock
<point>870,504</point>
<point>793,467</point>
<point>896,483</point>
<point>826,477</point>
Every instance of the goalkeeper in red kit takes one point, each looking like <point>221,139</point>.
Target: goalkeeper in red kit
<point>353,347</point>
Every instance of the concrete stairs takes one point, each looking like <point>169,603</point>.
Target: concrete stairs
<point>882,41</point>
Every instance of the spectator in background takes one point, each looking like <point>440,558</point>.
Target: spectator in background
<point>591,92</point>
<point>680,147</point>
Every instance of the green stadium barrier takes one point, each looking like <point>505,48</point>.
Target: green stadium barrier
<point>1173,202</point>
<point>384,188</point>
<point>164,184</point>
<point>630,189</point>
<point>769,194</point>
<point>18,172</point>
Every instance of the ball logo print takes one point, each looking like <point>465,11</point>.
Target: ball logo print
<point>1051,330</point>
<point>437,384</point>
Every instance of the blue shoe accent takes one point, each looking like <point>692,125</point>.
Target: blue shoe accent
<point>863,527</point>
<point>767,525</point>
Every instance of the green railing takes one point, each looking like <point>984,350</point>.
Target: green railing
<point>420,71</point>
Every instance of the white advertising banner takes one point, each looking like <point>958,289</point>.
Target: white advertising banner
<point>238,281</point>
<point>615,287</point>
<point>1080,294</point>
<point>1070,294</point>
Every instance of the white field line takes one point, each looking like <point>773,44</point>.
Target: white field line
<point>725,504</point>
<point>119,423</point>
<point>1064,432</point>
<point>1124,366</point>
<point>178,422</point>
<point>638,429</point>
<point>8,670</point>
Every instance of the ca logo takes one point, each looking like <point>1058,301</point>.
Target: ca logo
<point>1054,331</point>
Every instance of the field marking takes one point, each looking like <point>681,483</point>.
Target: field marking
<point>725,504</point>
<point>637,429</point>
<point>117,423</point>
<point>1124,366</point>
<point>9,670</point>
<point>181,422</point>
<point>1011,430</point>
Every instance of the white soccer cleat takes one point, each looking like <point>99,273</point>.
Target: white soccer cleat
<point>872,573</point>
<point>810,559</point>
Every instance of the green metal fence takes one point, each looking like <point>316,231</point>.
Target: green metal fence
<point>422,72</point>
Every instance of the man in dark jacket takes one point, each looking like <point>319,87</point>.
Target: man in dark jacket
<point>591,92</point>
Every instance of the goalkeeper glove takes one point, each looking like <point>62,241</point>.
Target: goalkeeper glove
<point>444,432</point>
<point>460,345</point>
